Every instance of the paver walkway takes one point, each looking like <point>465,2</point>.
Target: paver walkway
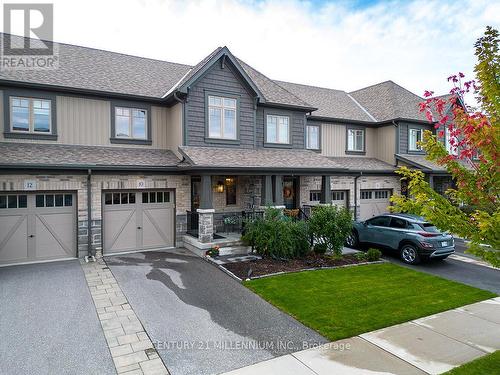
<point>430,345</point>
<point>131,349</point>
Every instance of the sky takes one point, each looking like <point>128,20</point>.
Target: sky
<point>344,45</point>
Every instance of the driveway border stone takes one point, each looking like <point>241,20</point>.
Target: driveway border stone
<point>130,346</point>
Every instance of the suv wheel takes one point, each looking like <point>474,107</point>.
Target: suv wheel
<point>409,254</point>
<point>352,240</point>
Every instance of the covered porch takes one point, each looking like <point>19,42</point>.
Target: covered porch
<point>231,185</point>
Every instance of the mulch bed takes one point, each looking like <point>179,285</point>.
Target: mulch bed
<point>266,266</point>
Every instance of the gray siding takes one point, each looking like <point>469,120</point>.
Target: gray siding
<point>403,136</point>
<point>297,122</point>
<point>220,81</point>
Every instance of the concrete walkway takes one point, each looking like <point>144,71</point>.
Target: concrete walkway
<point>430,345</point>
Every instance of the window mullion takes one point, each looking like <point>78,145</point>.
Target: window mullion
<point>31,126</point>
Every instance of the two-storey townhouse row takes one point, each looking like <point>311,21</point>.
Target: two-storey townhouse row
<point>116,153</point>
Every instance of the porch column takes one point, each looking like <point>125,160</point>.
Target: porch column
<point>278,190</point>
<point>206,211</point>
<point>431,181</point>
<point>267,191</point>
<point>326,190</point>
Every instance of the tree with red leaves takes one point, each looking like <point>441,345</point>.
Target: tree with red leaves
<point>471,209</point>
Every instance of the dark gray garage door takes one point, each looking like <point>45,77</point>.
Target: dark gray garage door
<point>138,220</point>
<point>37,226</point>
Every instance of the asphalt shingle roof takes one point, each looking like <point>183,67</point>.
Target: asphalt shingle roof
<point>261,158</point>
<point>99,70</point>
<point>388,100</point>
<point>272,90</point>
<point>421,161</point>
<point>363,164</point>
<point>50,155</point>
<point>330,103</point>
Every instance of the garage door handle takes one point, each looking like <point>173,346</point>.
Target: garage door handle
<point>31,235</point>
<point>139,227</point>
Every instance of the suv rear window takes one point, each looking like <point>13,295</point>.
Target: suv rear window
<point>428,227</point>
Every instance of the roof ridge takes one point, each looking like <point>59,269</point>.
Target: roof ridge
<point>313,86</point>
<point>101,50</point>
<point>370,86</point>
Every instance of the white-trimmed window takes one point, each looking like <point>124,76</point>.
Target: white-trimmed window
<point>131,123</point>
<point>415,136</point>
<point>452,149</point>
<point>222,118</point>
<point>30,115</point>
<point>312,137</point>
<point>278,129</point>
<point>356,140</point>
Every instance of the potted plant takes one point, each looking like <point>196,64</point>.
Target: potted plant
<point>213,251</point>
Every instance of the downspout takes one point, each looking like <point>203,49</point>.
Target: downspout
<point>90,252</point>
<point>356,195</point>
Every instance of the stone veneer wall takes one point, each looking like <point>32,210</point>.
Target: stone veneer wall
<point>78,184</point>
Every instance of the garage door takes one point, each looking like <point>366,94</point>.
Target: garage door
<point>36,227</point>
<point>373,202</point>
<point>136,220</point>
<point>339,198</point>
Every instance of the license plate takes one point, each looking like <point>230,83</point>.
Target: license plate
<point>444,243</point>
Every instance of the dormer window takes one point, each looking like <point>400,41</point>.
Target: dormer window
<point>415,136</point>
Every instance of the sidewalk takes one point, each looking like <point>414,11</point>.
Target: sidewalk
<point>430,345</point>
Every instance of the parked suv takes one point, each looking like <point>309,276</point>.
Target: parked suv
<point>410,235</point>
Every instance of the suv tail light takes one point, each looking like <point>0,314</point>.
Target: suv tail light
<point>427,234</point>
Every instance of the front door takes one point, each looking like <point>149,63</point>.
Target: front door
<point>290,192</point>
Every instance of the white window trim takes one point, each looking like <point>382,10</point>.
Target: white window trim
<point>414,131</point>
<point>451,150</point>
<point>222,107</point>
<point>31,115</point>
<point>288,136</point>
<point>131,123</point>
<point>307,137</point>
<point>354,144</point>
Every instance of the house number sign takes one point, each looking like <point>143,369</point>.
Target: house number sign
<point>141,184</point>
<point>29,184</point>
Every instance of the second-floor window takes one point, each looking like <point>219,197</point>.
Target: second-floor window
<point>452,149</point>
<point>312,137</point>
<point>415,136</point>
<point>30,115</point>
<point>130,123</point>
<point>356,140</point>
<point>222,118</point>
<point>278,129</point>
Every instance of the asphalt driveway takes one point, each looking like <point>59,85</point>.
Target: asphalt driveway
<point>201,320</point>
<point>48,322</point>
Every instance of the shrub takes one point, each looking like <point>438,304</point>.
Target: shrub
<point>330,226</point>
<point>360,256</point>
<point>277,236</point>
<point>373,255</point>
<point>320,248</point>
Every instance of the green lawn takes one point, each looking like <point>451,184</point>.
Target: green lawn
<point>345,302</point>
<point>489,364</point>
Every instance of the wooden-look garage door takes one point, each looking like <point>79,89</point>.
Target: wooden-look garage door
<point>37,226</point>
<point>374,202</point>
<point>138,220</point>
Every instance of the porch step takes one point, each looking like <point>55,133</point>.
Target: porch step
<point>235,250</point>
<point>227,246</point>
